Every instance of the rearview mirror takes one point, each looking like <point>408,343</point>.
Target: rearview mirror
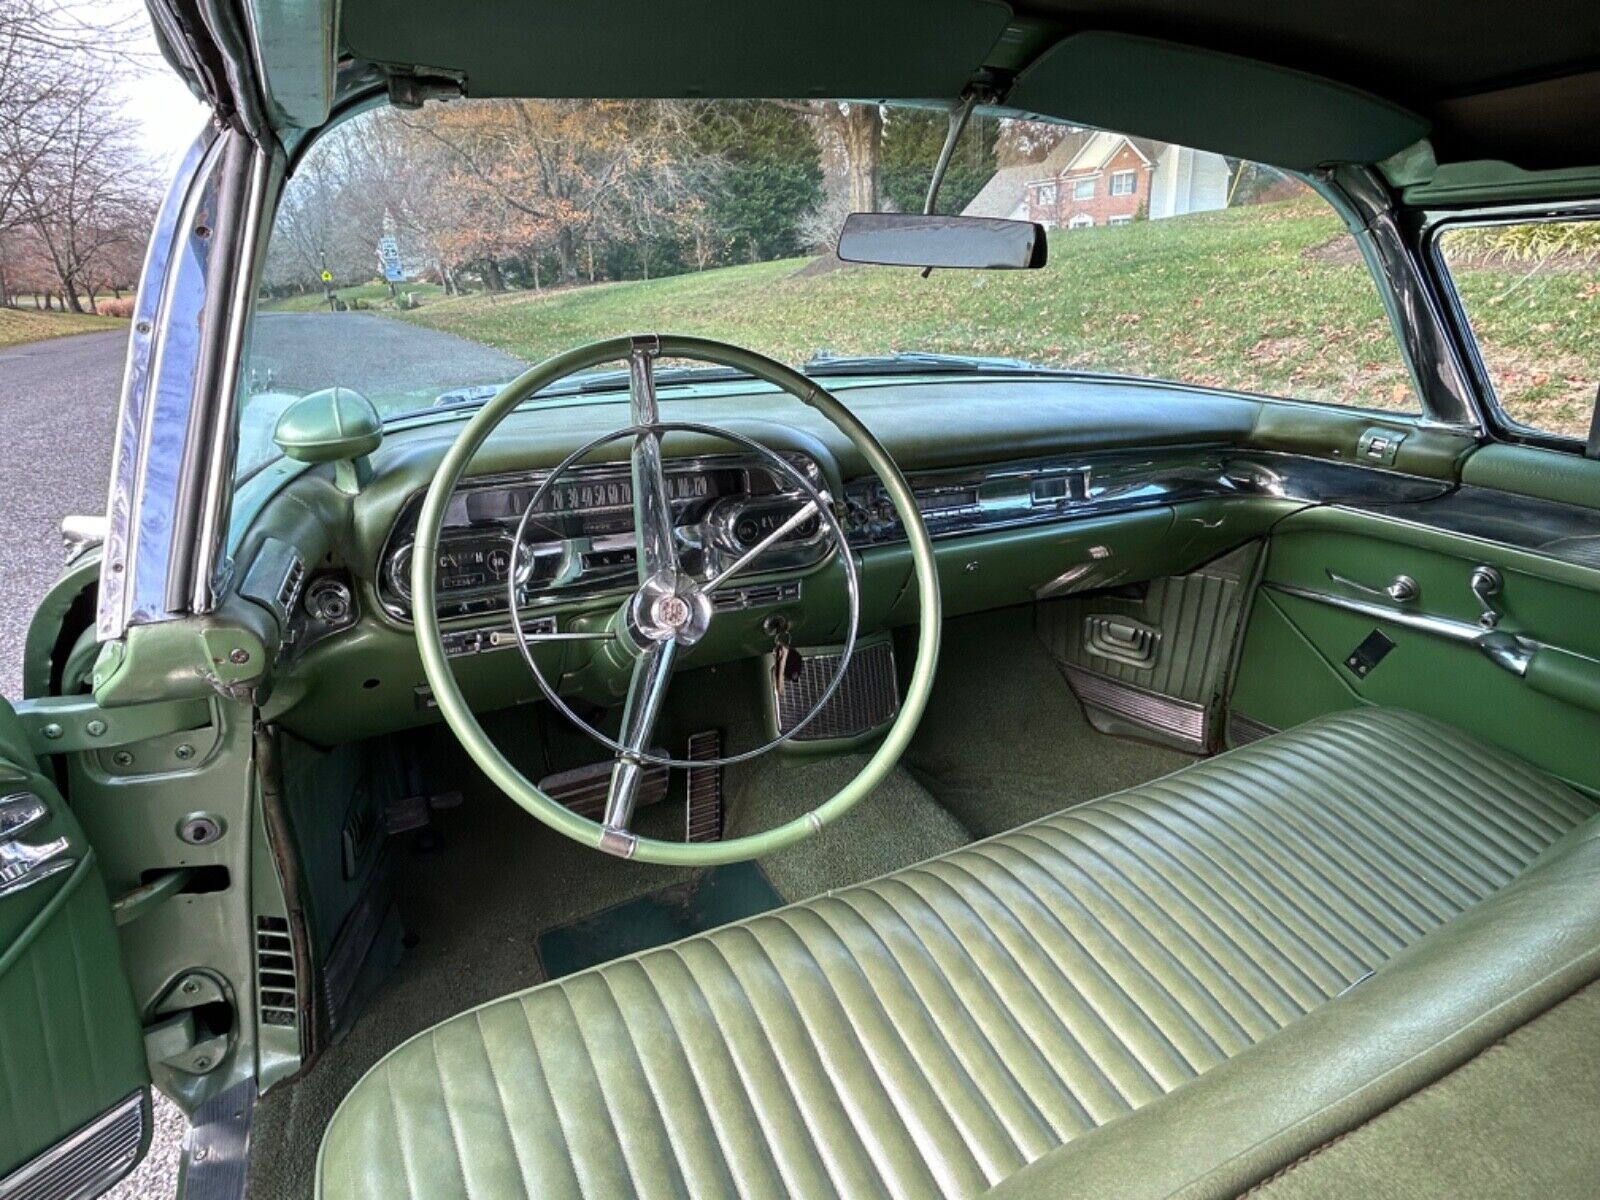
<point>915,240</point>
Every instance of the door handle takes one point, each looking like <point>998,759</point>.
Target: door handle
<point>23,864</point>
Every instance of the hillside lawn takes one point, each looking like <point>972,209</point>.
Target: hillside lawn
<point>1270,299</point>
<point>18,326</point>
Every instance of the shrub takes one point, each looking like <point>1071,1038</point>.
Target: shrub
<point>116,308</point>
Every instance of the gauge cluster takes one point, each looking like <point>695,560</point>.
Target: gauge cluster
<point>579,539</point>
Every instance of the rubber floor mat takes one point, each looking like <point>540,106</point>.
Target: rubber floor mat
<point>715,897</point>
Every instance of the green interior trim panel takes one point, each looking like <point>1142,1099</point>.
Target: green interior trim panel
<point>1232,105</point>
<point>70,1044</point>
<point>1153,657</point>
<point>1318,639</point>
<point>1565,477</point>
<point>1343,434</point>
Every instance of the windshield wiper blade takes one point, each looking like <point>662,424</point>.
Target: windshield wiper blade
<point>591,383</point>
<point>911,362</point>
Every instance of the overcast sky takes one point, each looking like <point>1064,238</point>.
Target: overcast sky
<point>167,113</point>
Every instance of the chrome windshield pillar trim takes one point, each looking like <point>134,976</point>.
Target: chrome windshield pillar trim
<point>174,427</point>
<point>137,515</point>
<point>1415,310</point>
<point>221,448</point>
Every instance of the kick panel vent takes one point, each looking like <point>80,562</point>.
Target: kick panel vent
<point>1121,639</point>
<point>277,990</point>
<point>867,699</point>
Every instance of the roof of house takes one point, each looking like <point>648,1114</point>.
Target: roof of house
<point>1007,186</point>
<point>1103,146</point>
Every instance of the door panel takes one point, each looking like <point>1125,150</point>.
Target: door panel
<point>1310,645</point>
<point>74,1100</point>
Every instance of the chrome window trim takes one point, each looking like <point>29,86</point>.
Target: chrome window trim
<point>1435,224</point>
<point>1410,296</point>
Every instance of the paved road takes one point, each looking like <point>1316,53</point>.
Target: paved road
<point>58,410</point>
<point>370,353</point>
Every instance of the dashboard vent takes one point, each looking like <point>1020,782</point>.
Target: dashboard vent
<point>277,991</point>
<point>867,699</point>
<point>293,580</point>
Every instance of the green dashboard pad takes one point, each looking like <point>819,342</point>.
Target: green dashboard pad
<point>1213,101</point>
<point>716,48</point>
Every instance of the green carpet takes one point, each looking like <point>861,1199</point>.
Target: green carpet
<point>1004,740</point>
<point>716,897</point>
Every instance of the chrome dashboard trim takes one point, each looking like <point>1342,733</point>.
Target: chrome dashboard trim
<point>1567,532</point>
<point>396,601</point>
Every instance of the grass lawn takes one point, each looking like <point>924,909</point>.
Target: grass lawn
<point>370,295</point>
<point>29,325</point>
<point>1247,298</point>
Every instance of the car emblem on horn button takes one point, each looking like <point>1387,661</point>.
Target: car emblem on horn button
<point>672,611</point>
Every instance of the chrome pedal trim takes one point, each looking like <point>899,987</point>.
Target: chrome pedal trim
<point>216,1148</point>
<point>1175,718</point>
<point>1243,730</point>
<point>703,809</point>
<point>867,699</point>
<point>86,1163</point>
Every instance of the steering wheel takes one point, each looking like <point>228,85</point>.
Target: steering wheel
<point>669,610</point>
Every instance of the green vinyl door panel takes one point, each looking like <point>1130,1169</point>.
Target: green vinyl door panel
<point>1316,641</point>
<point>74,1095</point>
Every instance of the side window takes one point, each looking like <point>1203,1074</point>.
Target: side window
<point>1531,294</point>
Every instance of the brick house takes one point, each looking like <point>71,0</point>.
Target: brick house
<point>1111,179</point>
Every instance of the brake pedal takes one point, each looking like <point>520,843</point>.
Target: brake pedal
<point>583,789</point>
<point>703,817</point>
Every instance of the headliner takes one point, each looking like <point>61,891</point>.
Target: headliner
<point>1488,79</point>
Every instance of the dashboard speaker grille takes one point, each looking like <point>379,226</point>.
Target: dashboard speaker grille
<point>867,699</point>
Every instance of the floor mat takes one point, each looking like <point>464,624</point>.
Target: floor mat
<point>716,897</point>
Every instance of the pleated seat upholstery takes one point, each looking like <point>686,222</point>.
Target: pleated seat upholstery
<point>930,1033</point>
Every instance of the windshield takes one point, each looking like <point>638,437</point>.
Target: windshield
<point>425,258</point>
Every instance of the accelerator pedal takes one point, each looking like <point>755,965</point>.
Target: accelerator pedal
<point>583,789</point>
<point>703,821</point>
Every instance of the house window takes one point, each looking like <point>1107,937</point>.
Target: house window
<point>1081,221</point>
<point>1047,193</point>
<point>1083,189</point>
<point>1123,183</point>
<point>1125,219</point>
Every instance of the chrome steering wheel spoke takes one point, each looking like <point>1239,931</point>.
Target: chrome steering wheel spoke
<point>653,529</point>
<point>646,692</point>
<point>800,516</point>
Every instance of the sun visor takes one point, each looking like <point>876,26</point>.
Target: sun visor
<point>1212,101</point>
<point>890,49</point>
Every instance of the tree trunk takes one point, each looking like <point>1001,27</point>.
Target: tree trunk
<point>567,252</point>
<point>492,278</point>
<point>862,130</point>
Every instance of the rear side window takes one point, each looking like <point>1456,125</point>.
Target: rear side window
<point>1531,295</point>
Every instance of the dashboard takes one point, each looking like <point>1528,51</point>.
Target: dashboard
<point>1028,489</point>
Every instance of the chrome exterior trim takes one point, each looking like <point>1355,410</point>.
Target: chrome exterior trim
<point>87,1162</point>
<point>210,568</point>
<point>138,509</point>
